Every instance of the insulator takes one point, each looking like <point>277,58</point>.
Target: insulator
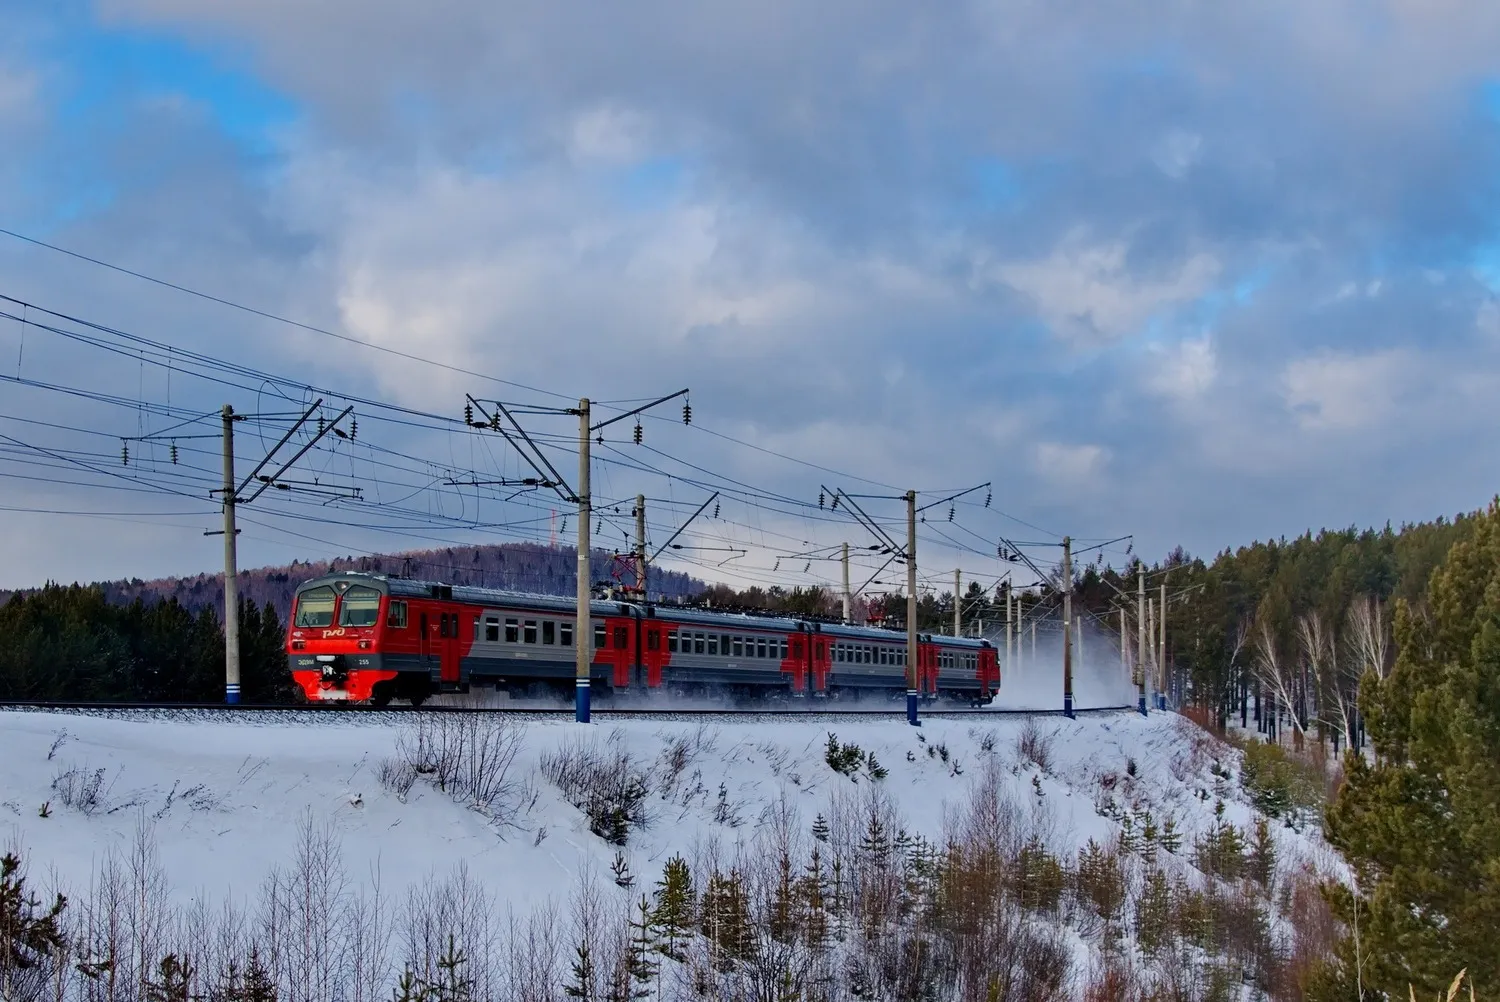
<point>950,513</point>
<point>468,414</point>
<point>835,504</point>
<point>174,453</point>
<point>599,529</point>
<point>353,428</point>
<point>807,567</point>
<point>124,453</point>
<point>321,424</point>
<point>988,497</point>
<point>716,509</point>
<point>600,439</point>
<point>777,567</point>
<point>495,421</point>
<point>565,525</point>
<point>637,433</point>
<point>687,413</point>
<point>820,499</point>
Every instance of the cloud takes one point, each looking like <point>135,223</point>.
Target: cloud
<point>779,207</point>
<point>1345,392</point>
<point>1087,293</point>
<point>1186,370</point>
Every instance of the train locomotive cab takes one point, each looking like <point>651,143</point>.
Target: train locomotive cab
<point>334,640</point>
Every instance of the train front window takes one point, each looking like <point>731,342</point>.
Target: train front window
<point>315,607</point>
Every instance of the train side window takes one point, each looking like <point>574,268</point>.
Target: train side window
<point>760,647</point>
<point>528,631</point>
<point>565,634</point>
<point>724,644</point>
<point>739,646</point>
<point>713,644</point>
<point>512,631</point>
<point>671,641</point>
<point>783,650</point>
<point>601,636</point>
<point>395,616</point>
<point>697,643</point>
<point>620,642</point>
<point>491,629</point>
<point>549,632</point>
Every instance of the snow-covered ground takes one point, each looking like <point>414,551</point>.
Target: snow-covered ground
<point>224,798</point>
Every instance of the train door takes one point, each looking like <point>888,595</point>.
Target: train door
<point>441,645</point>
<point>453,646</point>
<point>424,641</point>
<point>653,652</point>
<point>819,652</point>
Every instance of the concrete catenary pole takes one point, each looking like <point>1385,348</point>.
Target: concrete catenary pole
<point>848,598</point>
<point>1151,632</point>
<point>640,544</point>
<point>1161,652</point>
<point>958,614</point>
<point>231,569</point>
<point>1067,637</point>
<point>1140,629</point>
<point>1124,655</point>
<point>911,609</point>
<point>583,636</point>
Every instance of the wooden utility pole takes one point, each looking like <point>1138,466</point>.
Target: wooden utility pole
<point>912,678</point>
<point>1067,637</point>
<point>231,569</point>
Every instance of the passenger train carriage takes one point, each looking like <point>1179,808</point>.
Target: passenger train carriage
<point>363,637</point>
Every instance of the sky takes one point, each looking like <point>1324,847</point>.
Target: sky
<point>1194,273</point>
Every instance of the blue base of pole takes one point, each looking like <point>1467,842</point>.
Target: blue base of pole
<point>581,701</point>
<point>911,708</point>
<point>1141,706</point>
<point>1068,705</point>
<point>231,693</point>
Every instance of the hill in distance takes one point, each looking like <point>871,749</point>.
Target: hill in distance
<point>526,567</point>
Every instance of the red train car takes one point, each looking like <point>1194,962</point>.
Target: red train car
<point>367,637</point>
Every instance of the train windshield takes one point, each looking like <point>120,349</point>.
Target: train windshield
<point>361,607</point>
<point>315,607</point>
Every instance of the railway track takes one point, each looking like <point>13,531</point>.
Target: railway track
<point>604,713</point>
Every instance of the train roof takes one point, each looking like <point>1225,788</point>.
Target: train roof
<point>725,619</point>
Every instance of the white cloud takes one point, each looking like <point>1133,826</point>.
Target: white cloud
<point>1087,293</point>
<point>1186,370</point>
<point>1178,152</point>
<point>1069,465</point>
<point>1344,392</point>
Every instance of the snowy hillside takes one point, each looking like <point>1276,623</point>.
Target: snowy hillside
<point>534,812</point>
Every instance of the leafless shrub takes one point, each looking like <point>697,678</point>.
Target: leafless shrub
<point>606,784</point>
<point>397,775</point>
<point>468,756</point>
<point>81,788</point>
<point>1034,747</point>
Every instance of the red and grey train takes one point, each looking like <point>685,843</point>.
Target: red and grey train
<point>362,637</point>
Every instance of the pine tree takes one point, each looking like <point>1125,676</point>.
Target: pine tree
<point>725,917</point>
<point>1153,913</point>
<point>641,963</point>
<point>820,828</point>
<point>784,920</point>
<point>410,988</point>
<point>1171,838</point>
<point>875,844</point>
<point>1260,866</point>
<point>675,904</point>
<point>174,981</point>
<point>29,935</point>
<point>453,986</point>
<point>812,888</point>
<point>582,985</point>
<point>1418,824</point>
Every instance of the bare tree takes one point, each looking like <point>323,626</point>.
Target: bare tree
<point>1274,672</point>
<point>1367,636</point>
